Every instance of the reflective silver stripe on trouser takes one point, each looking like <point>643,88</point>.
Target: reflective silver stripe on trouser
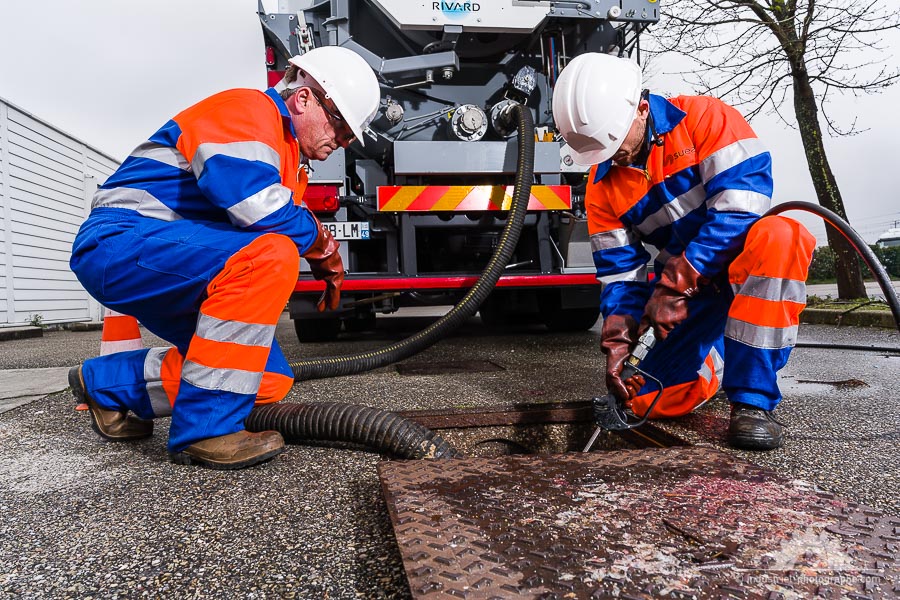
<point>159,401</point>
<point>232,332</point>
<point>235,332</point>
<point>227,380</point>
<point>706,373</point>
<point>772,288</point>
<point>758,336</point>
<point>718,364</point>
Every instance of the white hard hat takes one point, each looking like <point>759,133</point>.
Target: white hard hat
<point>346,78</point>
<point>594,104</point>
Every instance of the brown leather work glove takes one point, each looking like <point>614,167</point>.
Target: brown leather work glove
<point>667,306</point>
<point>618,336</point>
<point>326,265</point>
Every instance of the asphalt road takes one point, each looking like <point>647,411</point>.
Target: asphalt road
<point>87,518</point>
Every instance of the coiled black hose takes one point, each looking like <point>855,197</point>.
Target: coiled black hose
<point>859,244</point>
<point>382,430</point>
<point>318,368</point>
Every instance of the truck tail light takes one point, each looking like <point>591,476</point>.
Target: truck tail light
<point>270,55</point>
<point>322,198</point>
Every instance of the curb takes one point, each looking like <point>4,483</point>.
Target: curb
<point>86,326</point>
<point>856,318</point>
<point>20,333</point>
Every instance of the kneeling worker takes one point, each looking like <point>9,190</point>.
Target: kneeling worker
<point>198,235</point>
<point>688,176</point>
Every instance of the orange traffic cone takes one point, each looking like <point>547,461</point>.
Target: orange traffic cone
<point>120,333</point>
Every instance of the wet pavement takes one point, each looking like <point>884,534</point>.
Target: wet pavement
<point>84,517</point>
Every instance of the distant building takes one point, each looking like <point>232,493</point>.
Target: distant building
<point>47,179</point>
<point>889,238</point>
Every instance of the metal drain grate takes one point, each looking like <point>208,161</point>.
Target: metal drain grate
<point>678,522</point>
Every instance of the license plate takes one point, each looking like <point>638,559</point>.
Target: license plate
<point>349,230</point>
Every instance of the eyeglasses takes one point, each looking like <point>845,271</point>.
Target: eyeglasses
<point>332,114</point>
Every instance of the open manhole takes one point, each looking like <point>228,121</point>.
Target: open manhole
<point>683,522</point>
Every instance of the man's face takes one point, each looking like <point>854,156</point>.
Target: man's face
<point>634,139</point>
<point>319,126</point>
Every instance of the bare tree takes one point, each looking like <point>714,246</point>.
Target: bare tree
<point>757,53</point>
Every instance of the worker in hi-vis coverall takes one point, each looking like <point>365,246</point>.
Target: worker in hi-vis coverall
<point>198,235</point>
<point>687,176</point>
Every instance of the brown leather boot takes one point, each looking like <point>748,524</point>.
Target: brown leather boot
<point>114,425</point>
<point>233,451</point>
<point>752,428</point>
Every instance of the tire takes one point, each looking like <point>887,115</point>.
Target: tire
<point>561,319</point>
<point>571,319</point>
<point>360,323</point>
<point>493,314</point>
<point>317,330</point>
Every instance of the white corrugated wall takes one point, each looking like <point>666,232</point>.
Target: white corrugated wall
<point>46,181</point>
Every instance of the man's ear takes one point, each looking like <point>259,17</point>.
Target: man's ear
<point>298,102</point>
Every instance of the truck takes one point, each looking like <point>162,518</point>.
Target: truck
<point>420,208</point>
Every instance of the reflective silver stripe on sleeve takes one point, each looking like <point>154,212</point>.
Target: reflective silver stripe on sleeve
<point>134,199</point>
<point>770,338</point>
<point>741,201</point>
<point>617,238</point>
<point>733,154</point>
<point>772,288</point>
<point>159,401</point>
<point>639,274</point>
<point>260,205</point>
<point>236,381</point>
<point>251,150</point>
<point>246,334</point>
<point>164,154</point>
<point>674,210</point>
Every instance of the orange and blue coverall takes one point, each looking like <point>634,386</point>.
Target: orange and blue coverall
<point>701,193</point>
<point>198,235</point>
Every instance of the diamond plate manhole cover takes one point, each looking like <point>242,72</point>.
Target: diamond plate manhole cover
<point>674,523</point>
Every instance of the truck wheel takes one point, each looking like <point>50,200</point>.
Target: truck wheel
<point>317,330</point>
<point>360,323</point>
<point>492,314</point>
<point>571,319</point>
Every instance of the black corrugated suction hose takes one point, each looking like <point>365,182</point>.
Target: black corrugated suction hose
<point>382,430</point>
<point>378,429</point>
<point>859,244</point>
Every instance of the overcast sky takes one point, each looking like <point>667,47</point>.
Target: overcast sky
<point>110,72</point>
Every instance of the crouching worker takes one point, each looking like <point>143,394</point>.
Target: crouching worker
<point>689,177</point>
<point>198,235</point>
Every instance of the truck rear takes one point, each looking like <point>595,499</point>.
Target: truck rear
<point>420,209</point>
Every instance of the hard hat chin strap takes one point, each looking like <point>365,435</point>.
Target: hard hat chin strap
<point>651,138</point>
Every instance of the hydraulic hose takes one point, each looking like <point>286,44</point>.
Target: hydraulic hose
<point>318,368</point>
<point>855,240</point>
<point>326,422</point>
<point>382,430</point>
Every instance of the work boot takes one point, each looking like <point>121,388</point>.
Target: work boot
<point>114,425</point>
<point>233,451</point>
<point>752,428</point>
